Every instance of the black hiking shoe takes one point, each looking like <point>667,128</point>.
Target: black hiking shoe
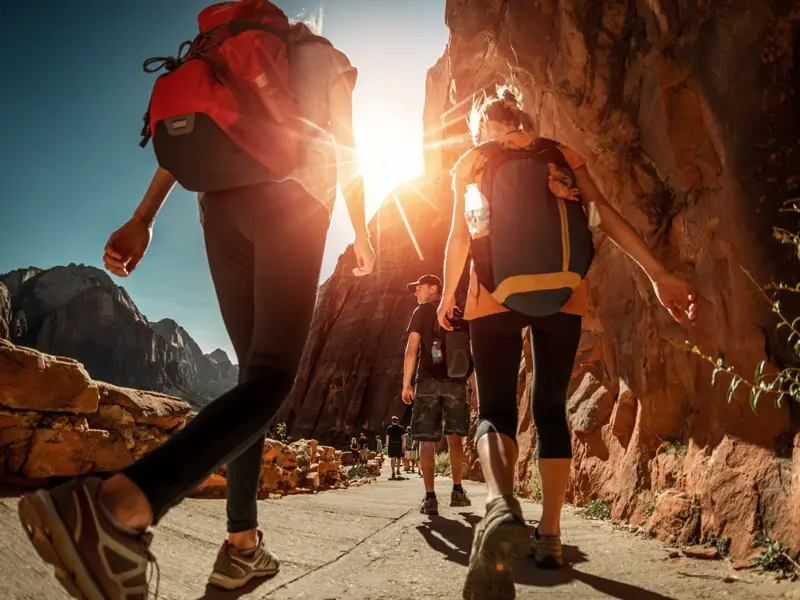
<point>546,550</point>
<point>92,558</point>
<point>460,498</point>
<point>500,539</point>
<point>429,506</point>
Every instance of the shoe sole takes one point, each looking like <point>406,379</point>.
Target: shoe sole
<point>229,583</point>
<point>548,562</point>
<point>460,504</point>
<point>491,573</point>
<point>53,544</point>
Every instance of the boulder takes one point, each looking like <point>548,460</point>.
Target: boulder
<point>272,448</point>
<point>146,408</point>
<point>30,380</point>
<point>63,453</point>
<point>271,476</point>
<point>676,518</point>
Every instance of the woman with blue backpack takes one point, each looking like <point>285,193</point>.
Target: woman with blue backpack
<point>524,209</point>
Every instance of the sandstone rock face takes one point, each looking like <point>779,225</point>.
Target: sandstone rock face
<point>648,93</point>
<point>350,377</point>
<point>5,312</point>
<point>56,422</point>
<point>79,312</point>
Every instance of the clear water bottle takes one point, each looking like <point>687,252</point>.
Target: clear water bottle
<point>476,209</point>
<point>436,352</point>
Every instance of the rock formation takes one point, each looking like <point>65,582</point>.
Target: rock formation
<point>350,377</point>
<point>687,114</point>
<point>79,312</point>
<point>5,312</point>
<point>302,467</point>
<point>57,422</point>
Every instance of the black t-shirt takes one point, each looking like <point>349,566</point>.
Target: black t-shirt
<point>362,443</point>
<point>396,433</point>
<point>424,321</point>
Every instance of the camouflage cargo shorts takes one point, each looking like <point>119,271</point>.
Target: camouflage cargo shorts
<point>437,403</point>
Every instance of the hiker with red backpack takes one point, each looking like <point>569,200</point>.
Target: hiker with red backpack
<point>255,114</point>
<point>524,209</point>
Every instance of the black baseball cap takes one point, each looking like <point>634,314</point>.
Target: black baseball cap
<point>426,280</point>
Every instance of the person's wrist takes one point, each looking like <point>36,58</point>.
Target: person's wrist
<point>362,235</point>
<point>657,274</point>
<point>143,219</point>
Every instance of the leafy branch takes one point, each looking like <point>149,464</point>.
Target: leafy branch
<point>785,382</point>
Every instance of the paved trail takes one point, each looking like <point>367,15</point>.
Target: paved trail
<point>371,542</point>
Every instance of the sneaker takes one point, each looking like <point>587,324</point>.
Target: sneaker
<point>546,550</point>
<point>459,498</point>
<point>500,539</point>
<point>429,506</point>
<point>234,569</point>
<point>92,558</point>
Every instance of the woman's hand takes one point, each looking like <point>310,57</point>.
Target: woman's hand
<point>445,312</point>
<point>365,256</point>
<point>676,295</point>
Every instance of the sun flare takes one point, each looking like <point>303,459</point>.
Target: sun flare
<point>390,153</point>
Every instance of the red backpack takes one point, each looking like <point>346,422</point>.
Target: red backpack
<point>223,115</point>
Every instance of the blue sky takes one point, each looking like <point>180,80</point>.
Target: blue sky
<point>73,99</point>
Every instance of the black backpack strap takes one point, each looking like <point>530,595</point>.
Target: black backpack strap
<point>546,150</point>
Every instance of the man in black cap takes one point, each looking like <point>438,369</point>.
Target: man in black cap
<point>437,400</point>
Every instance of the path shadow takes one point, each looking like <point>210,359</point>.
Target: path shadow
<point>459,533</point>
<point>214,593</point>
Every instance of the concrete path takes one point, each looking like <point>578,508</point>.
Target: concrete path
<point>370,542</point>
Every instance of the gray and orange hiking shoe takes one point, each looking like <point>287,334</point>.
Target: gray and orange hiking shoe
<point>92,558</point>
<point>429,506</point>
<point>500,540</point>
<point>460,498</point>
<point>546,550</point>
<point>234,569</point>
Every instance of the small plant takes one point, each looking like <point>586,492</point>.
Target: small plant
<point>774,557</point>
<point>785,383</point>
<point>535,484</point>
<point>280,431</point>
<point>723,544</point>
<point>672,448</point>
<point>598,510</point>
<point>441,463</point>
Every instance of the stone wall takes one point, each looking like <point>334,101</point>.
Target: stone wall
<point>55,421</point>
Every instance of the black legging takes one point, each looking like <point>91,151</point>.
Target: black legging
<point>497,350</point>
<point>265,245</point>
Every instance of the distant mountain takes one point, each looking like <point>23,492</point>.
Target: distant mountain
<point>79,312</point>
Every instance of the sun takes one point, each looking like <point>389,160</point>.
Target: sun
<point>389,153</point>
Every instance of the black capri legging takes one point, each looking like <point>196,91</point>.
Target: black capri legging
<point>497,348</point>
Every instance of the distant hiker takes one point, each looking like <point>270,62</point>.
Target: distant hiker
<point>395,444</point>
<point>531,245</point>
<point>354,450</point>
<point>410,455</point>
<point>378,445</point>
<point>262,138</point>
<point>363,448</point>
<point>440,396</point>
